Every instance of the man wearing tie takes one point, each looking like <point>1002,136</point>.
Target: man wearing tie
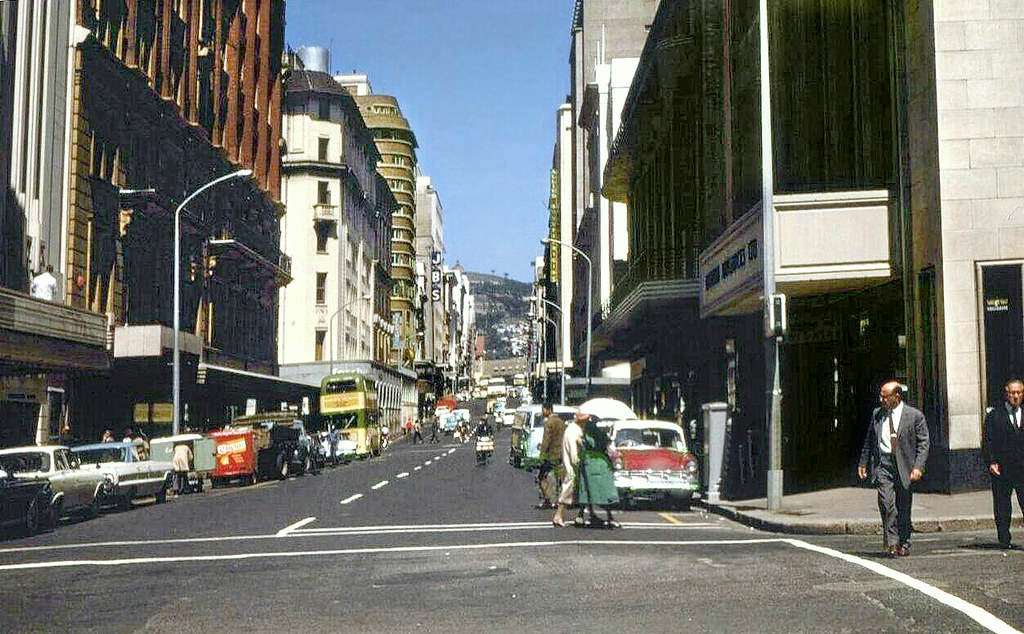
<point>896,448</point>
<point>1003,448</point>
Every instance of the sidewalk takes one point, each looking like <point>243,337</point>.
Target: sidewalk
<point>854,511</point>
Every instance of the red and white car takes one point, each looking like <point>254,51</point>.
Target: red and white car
<point>653,461</point>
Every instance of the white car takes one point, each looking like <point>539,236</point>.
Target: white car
<point>75,489</point>
<point>130,475</point>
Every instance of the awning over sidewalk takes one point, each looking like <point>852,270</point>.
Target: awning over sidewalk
<point>245,384</point>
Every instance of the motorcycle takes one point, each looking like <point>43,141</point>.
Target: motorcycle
<point>484,449</point>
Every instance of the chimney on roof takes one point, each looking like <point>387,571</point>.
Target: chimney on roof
<point>316,58</point>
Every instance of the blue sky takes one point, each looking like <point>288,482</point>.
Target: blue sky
<point>480,83</point>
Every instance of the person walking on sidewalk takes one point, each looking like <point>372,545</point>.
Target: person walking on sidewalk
<point>1003,448</point>
<point>433,429</point>
<point>895,449</point>
<point>548,475</point>
<point>417,432</point>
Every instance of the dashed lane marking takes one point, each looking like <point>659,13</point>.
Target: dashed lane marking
<point>352,498</point>
<point>417,468</point>
<point>404,474</point>
<point>428,462</point>
<point>452,450</point>
<point>294,527</point>
<point>382,483</point>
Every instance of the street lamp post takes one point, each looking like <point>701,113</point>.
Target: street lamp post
<point>590,276</point>
<point>330,320</point>
<point>176,379</point>
<point>561,368</point>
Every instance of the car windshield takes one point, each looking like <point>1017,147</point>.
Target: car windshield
<point>650,437</point>
<point>105,454</point>
<point>25,462</point>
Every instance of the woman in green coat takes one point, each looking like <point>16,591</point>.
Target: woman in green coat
<point>595,485</point>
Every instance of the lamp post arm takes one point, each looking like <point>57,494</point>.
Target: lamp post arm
<point>590,280</point>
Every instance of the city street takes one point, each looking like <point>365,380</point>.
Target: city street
<point>424,539</point>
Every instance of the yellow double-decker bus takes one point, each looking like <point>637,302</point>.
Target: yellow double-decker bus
<point>348,401</point>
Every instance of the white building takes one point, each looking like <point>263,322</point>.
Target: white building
<point>336,216</point>
<point>429,270</point>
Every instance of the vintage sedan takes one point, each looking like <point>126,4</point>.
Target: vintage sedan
<point>131,476</point>
<point>527,433</point>
<point>75,490</point>
<point>653,462</point>
<point>24,504</point>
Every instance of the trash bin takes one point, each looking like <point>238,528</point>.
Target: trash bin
<point>714,420</point>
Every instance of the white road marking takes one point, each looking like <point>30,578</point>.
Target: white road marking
<point>986,619</point>
<point>452,450</point>
<point>404,474</point>
<point>428,462</point>
<point>372,550</point>
<point>313,532</point>
<point>325,532</point>
<point>417,468</point>
<point>352,498</point>
<point>294,527</point>
<point>382,483</point>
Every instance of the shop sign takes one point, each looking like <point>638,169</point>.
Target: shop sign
<point>731,269</point>
<point>996,305</point>
<point>435,276</point>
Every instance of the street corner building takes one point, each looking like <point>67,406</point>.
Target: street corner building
<point>116,113</point>
<point>895,161</point>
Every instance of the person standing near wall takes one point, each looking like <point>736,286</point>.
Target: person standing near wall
<point>1003,448</point>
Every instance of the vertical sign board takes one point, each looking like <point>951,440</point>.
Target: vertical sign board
<point>435,276</point>
<point>554,231</point>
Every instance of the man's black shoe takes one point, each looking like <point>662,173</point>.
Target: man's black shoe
<point>1009,546</point>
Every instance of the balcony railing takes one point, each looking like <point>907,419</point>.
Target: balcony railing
<point>651,265</point>
<point>325,213</point>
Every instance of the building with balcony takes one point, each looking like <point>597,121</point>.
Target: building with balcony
<point>337,223</point>
<point>895,149</point>
<point>396,144</point>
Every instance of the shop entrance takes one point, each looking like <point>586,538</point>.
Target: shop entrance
<point>20,419</point>
<point>1004,328</point>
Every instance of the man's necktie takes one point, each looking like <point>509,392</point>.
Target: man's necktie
<point>892,434</point>
<point>1016,417</point>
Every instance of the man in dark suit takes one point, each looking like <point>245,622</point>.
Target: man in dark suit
<point>896,448</point>
<point>1003,448</point>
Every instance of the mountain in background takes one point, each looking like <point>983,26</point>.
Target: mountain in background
<point>502,315</point>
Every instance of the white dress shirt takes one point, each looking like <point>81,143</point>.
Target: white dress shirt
<point>883,428</point>
<point>1014,416</point>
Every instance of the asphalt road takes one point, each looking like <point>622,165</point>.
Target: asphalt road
<point>423,539</point>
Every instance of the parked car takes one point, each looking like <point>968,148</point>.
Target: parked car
<point>131,475</point>
<point>653,462</point>
<point>75,490</point>
<point>24,504</point>
<point>528,431</point>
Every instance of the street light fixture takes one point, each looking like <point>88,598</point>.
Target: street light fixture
<point>590,277</point>
<point>176,388</point>
<point>558,364</point>
<point>330,320</point>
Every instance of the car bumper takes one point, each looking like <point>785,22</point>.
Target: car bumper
<point>640,486</point>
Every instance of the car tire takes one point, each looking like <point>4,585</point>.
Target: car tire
<point>124,502</point>
<point>282,466</point>
<point>625,501</point>
<point>254,478</point>
<point>160,497</point>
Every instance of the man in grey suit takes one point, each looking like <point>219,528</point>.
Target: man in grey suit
<point>896,448</point>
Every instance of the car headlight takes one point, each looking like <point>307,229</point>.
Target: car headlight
<point>618,463</point>
<point>111,478</point>
<point>691,467</point>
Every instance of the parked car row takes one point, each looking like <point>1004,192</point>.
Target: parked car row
<point>41,484</point>
<point>653,461</point>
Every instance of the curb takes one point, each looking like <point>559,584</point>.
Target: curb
<point>849,527</point>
